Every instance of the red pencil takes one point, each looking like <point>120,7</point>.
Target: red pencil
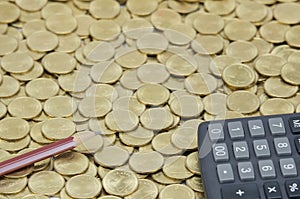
<point>42,153</point>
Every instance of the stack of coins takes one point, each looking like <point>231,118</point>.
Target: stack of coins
<point>143,73</point>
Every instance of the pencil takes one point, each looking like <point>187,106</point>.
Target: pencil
<point>42,153</point>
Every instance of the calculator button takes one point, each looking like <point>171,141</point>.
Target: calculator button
<point>288,167</point>
<point>216,132</point>
<point>295,124</point>
<point>246,171</point>
<point>277,126</point>
<point>225,173</point>
<point>282,146</point>
<point>256,128</point>
<point>261,148</point>
<point>236,130</point>
<point>266,169</point>
<point>293,188</point>
<point>272,190</point>
<point>240,191</point>
<point>220,152</point>
<point>297,143</point>
<point>241,150</point>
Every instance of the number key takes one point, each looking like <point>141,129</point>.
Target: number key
<point>215,132</point>
<point>261,148</point>
<point>241,150</point>
<point>282,146</point>
<point>288,167</point>
<point>246,171</point>
<point>220,152</point>
<point>266,169</point>
<point>256,128</point>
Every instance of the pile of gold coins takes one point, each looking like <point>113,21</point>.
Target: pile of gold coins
<point>144,73</point>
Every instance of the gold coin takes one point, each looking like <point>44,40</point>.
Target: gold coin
<point>136,27</point>
<point>68,43</point>
<point>185,138</point>
<point>25,107</point>
<point>187,106</point>
<point>183,7</point>
<point>71,163</point>
<point>60,106</point>
<point>74,82</point>
<point>23,47</point>
<point>102,90</point>
<point>120,182</point>
<point>276,106</point>
<point>106,72</point>
<point>162,143</point>
<point>274,31</point>
<point>36,134</point>
<point>55,8</point>
<point>153,73</point>
<point>238,76</point>
<point>174,83</point>
<point>83,186</point>
<point>111,156</point>
<point>42,88</point>
<point>207,44</point>
<point>156,118</point>
<point>181,65</point>
<point>243,102</point>
<point>146,188</point>
<point>35,196</point>
<point>180,34</point>
<point>106,30</point>
<point>276,87</point>
<point>287,13</point>
<point>137,137</point>
<point>121,120</point>
<point>141,8</point>
<point>91,145</point>
<point>98,125</point>
<point>94,106</point>
<point>50,41</point>
<point>98,51</point>
<point>298,109</point>
<point>46,183</point>
<point>129,103</point>
<point>28,16</point>
<point>207,23</point>
<point>269,65</point>
<point>35,72</point>
<point>164,17</point>
<point>195,183</point>
<point>17,62</point>
<point>177,190</point>
<point>289,73</point>
<point>243,50</point>
<point>103,9</point>
<point>146,162</point>
<point>109,197</point>
<point>220,7</point>
<point>61,23</point>
<point>200,84</point>
<point>3,110</point>
<point>174,167</point>
<point>8,44</point>
<point>153,94</point>
<point>192,163</point>
<point>220,62</point>
<point>83,23</point>
<point>31,6</point>
<point>9,12</point>
<point>15,145</point>
<point>161,178</point>
<point>262,45</point>
<point>294,57</point>
<point>59,63</point>
<point>9,86</point>
<point>291,36</point>
<point>130,58</point>
<point>58,128</point>
<point>13,128</point>
<point>215,103</point>
<point>12,186</point>
<point>251,11</point>
<point>3,28</point>
<point>152,43</point>
<point>240,30</point>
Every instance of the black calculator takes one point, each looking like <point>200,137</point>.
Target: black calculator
<point>251,158</point>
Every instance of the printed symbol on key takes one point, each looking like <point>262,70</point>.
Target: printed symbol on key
<point>254,127</point>
<point>293,187</point>
<point>296,123</point>
<point>277,125</point>
<point>272,189</point>
<point>240,193</point>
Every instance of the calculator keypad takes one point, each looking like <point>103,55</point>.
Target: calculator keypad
<point>256,157</point>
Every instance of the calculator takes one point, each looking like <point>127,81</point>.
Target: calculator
<point>251,158</point>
